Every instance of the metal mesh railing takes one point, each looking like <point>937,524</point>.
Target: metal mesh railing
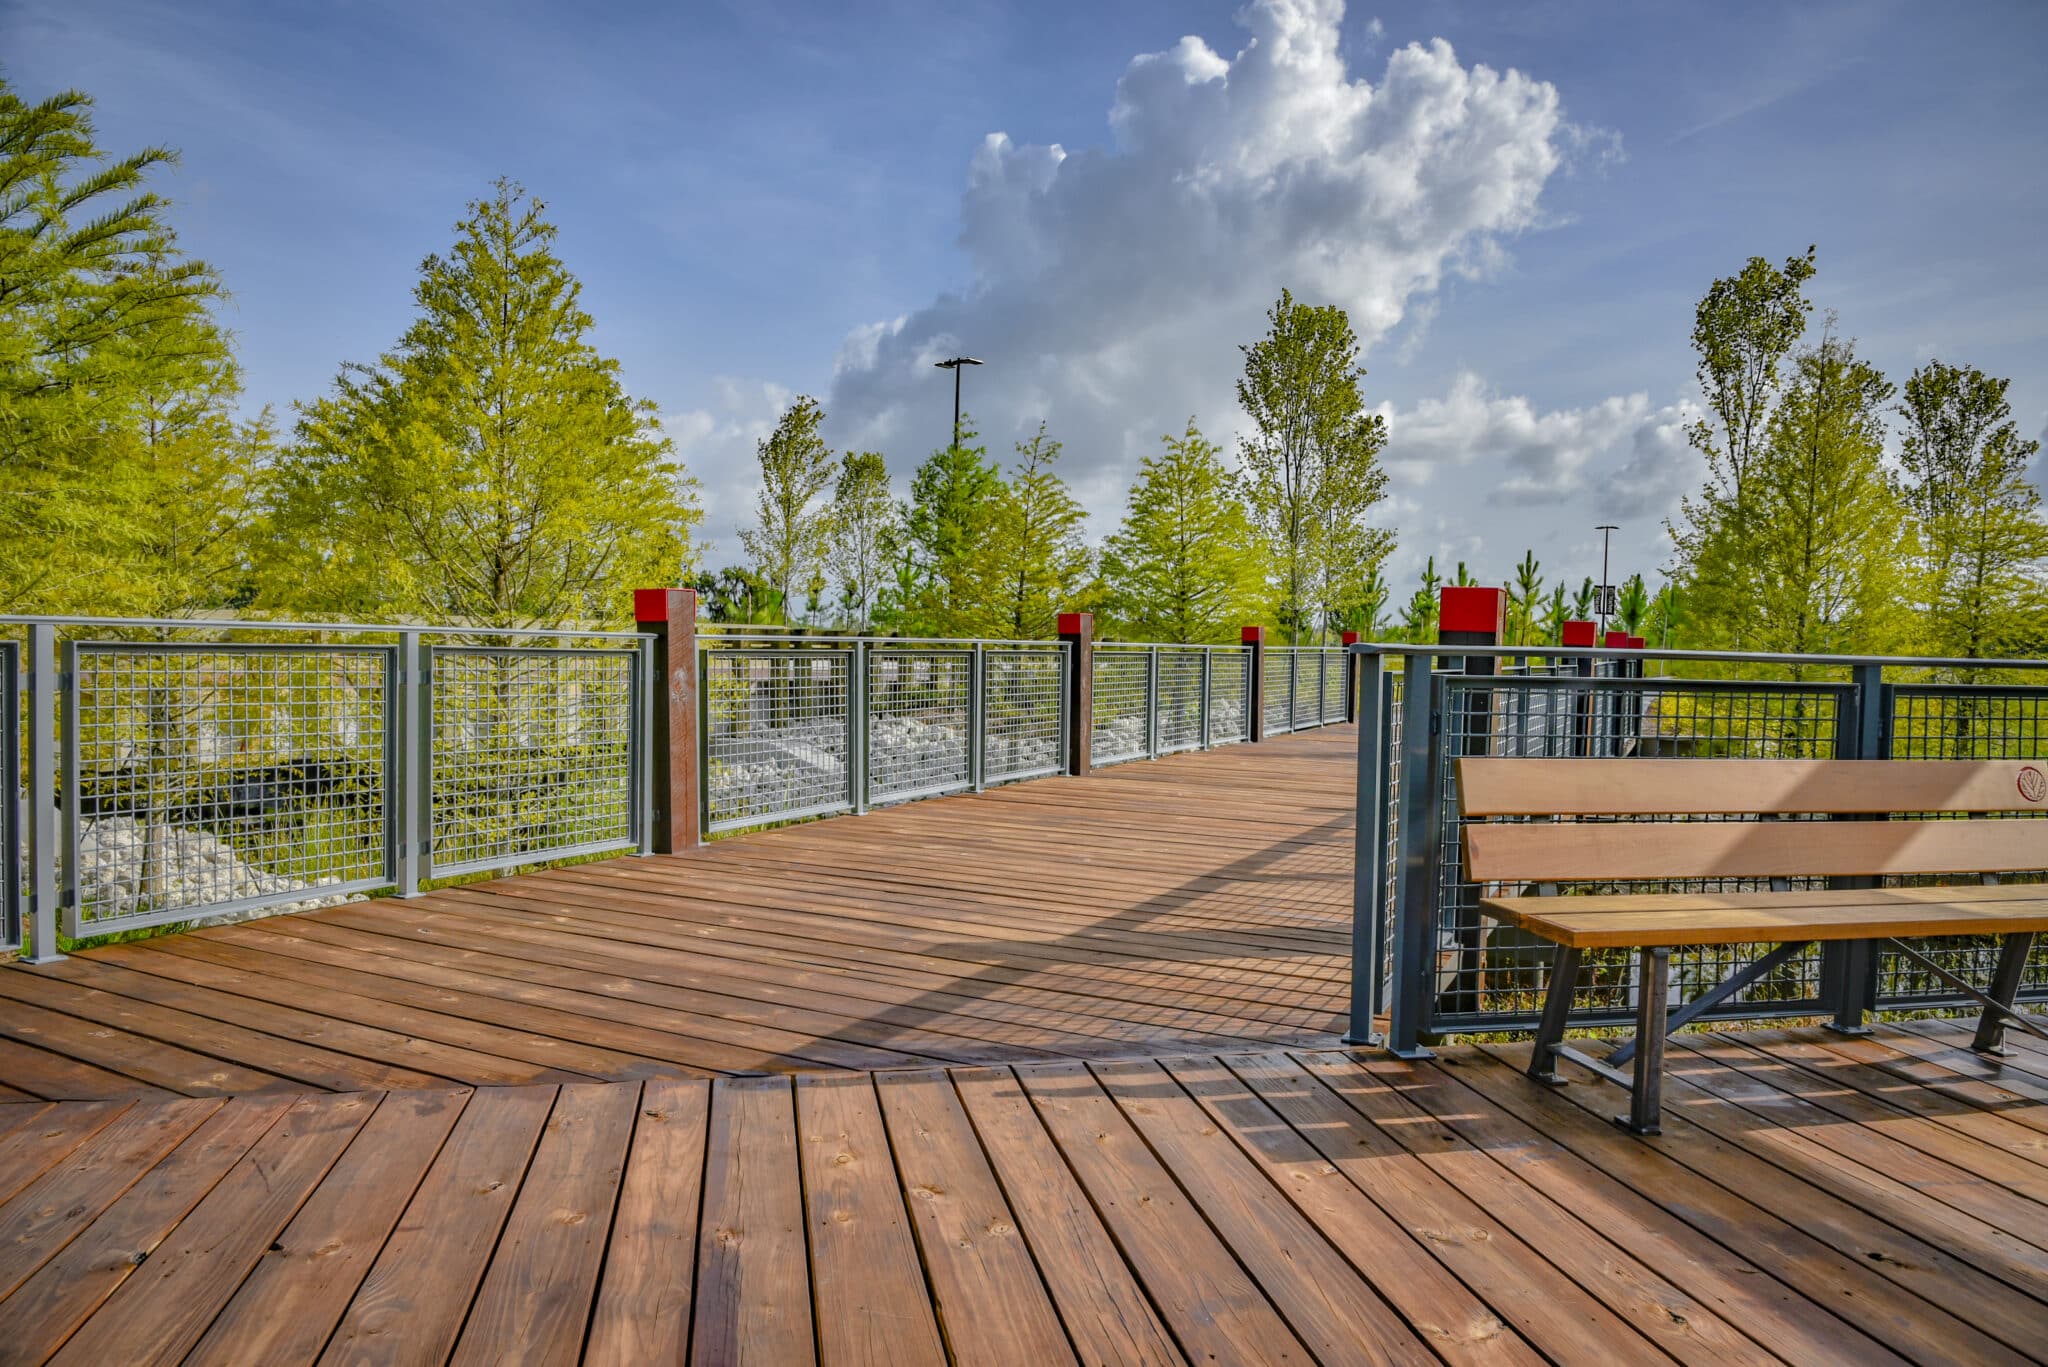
<point>1023,731</point>
<point>918,724</point>
<point>1333,663</point>
<point>1964,721</point>
<point>1304,687</point>
<point>1277,681</point>
<point>1490,976</point>
<point>209,777</point>
<point>13,889</point>
<point>533,754</point>
<point>1120,728</point>
<point>1230,676</point>
<point>1180,699</point>
<point>776,734</point>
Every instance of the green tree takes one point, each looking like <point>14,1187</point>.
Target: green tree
<point>1525,600</point>
<point>864,529</point>
<point>1808,560</point>
<point>1419,618</point>
<point>1982,535</point>
<point>128,483</point>
<point>1040,543</point>
<point>1632,606</point>
<point>956,500</point>
<point>1368,617</point>
<point>1311,465</point>
<point>1185,564</point>
<point>790,535</point>
<point>738,596</point>
<point>1744,328</point>
<point>1557,610</point>
<point>1582,601</point>
<point>490,468</point>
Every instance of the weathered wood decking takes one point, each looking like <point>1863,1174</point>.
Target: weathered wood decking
<point>1044,1075</point>
<point>1201,902</point>
<point>1813,1200</point>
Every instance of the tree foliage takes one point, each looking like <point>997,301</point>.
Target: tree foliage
<point>863,528</point>
<point>1040,549</point>
<point>1311,464</point>
<point>956,499</point>
<point>1185,565</point>
<point>1744,328</point>
<point>490,468</point>
<point>790,535</point>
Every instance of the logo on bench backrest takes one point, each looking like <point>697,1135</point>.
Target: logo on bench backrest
<point>2033,783</point>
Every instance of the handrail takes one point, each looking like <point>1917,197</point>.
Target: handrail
<point>1670,653</point>
<point>217,624</point>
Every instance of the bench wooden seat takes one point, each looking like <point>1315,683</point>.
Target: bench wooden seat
<point>1533,825</point>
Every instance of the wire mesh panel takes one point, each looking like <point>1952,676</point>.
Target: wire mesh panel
<point>1180,699</point>
<point>531,754</point>
<point>1230,676</point>
<point>204,778</point>
<point>1024,713</point>
<point>1490,976</point>
<point>1308,689</point>
<point>1122,692</point>
<point>776,724</point>
<point>917,722</point>
<point>1278,684</point>
<point>1963,721</point>
<point>12,890</point>
<point>1333,664</point>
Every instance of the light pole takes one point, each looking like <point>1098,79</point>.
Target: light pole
<point>1607,531</point>
<point>953,364</point>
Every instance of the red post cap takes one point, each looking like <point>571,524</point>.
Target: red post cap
<point>1473,609</point>
<point>1253,636</point>
<point>1077,623</point>
<point>1580,633</point>
<point>651,605</point>
<point>1637,643</point>
<point>1350,638</point>
<point>1618,640</point>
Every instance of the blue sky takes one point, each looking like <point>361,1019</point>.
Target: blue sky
<point>1519,203</point>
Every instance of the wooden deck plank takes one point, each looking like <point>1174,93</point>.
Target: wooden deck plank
<point>411,1306</point>
<point>535,1302</point>
<point>990,1299</point>
<point>872,1304</point>
<point>750,1303</point>
<point>44,1135</point>
<point>288,1307</point>
<point>643,1307</point>
<point>159,1313</point>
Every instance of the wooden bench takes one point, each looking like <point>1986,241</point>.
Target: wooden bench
<point>1536,824</point>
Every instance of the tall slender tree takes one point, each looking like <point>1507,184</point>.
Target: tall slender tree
<point>788,540</point>
<point>1525,599</point>
<point>864,531</point>
<point>1311,463</point>
<point>1040,549</point>
<point>1185,565</point>
<point>956,499</point>
<point>490,468</point>
<point>1983,540</point>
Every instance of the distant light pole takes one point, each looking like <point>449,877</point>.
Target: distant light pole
<point>1607,531</point>
<point>953,364</point>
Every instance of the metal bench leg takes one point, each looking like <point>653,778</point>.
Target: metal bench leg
<point>1557,1009</point>
<point>1653,995</point>
<point>2005,989</point>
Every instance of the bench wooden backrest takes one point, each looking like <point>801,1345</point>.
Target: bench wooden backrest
<point>1593,850</point>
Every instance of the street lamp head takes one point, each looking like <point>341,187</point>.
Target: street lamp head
<point>956,362</point>
<point>1607,527</point>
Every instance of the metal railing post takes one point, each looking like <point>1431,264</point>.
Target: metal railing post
<point>44,687</point>
<point>1366,880</point>
<point>857,728</point>
<point>1206,656</point>
<point>1848,968</point>
<point>1152,702</point>
<point>670,616</point>
<point>412,760</point>
<point>642,742</point>
<point>1077,634</point>
<point>1414,984</point>
<point>1254,639</point>
<point>977,717</point>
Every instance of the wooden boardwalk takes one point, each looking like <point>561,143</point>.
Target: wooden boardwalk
<point>1813,1200</point>
<point>1198,903</point>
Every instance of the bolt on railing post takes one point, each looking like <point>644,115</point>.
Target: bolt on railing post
<point>1848,968</point>
<point>411,757</point>
<point>670,616</point>
<point>1077,633</point>
<point>857,728</point>
<point>1366,880</point>
<point>40,939</point>
<point>1254,639</point>
<point>977,717</point>
<point>1414,985</point>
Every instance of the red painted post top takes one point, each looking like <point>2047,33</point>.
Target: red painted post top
<point>1253,636</point>
<point>1618,640</point>
<point>1473,609</point>
<point>1637,643</point>
<point>1077,624</point>
<point>1580,633</point>
<point>650,605</point>
<point>1350,638</point>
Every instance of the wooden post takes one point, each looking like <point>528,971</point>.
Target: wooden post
<point>1077,630</point>
<point>671,615</point>
<point>1254,639</point>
